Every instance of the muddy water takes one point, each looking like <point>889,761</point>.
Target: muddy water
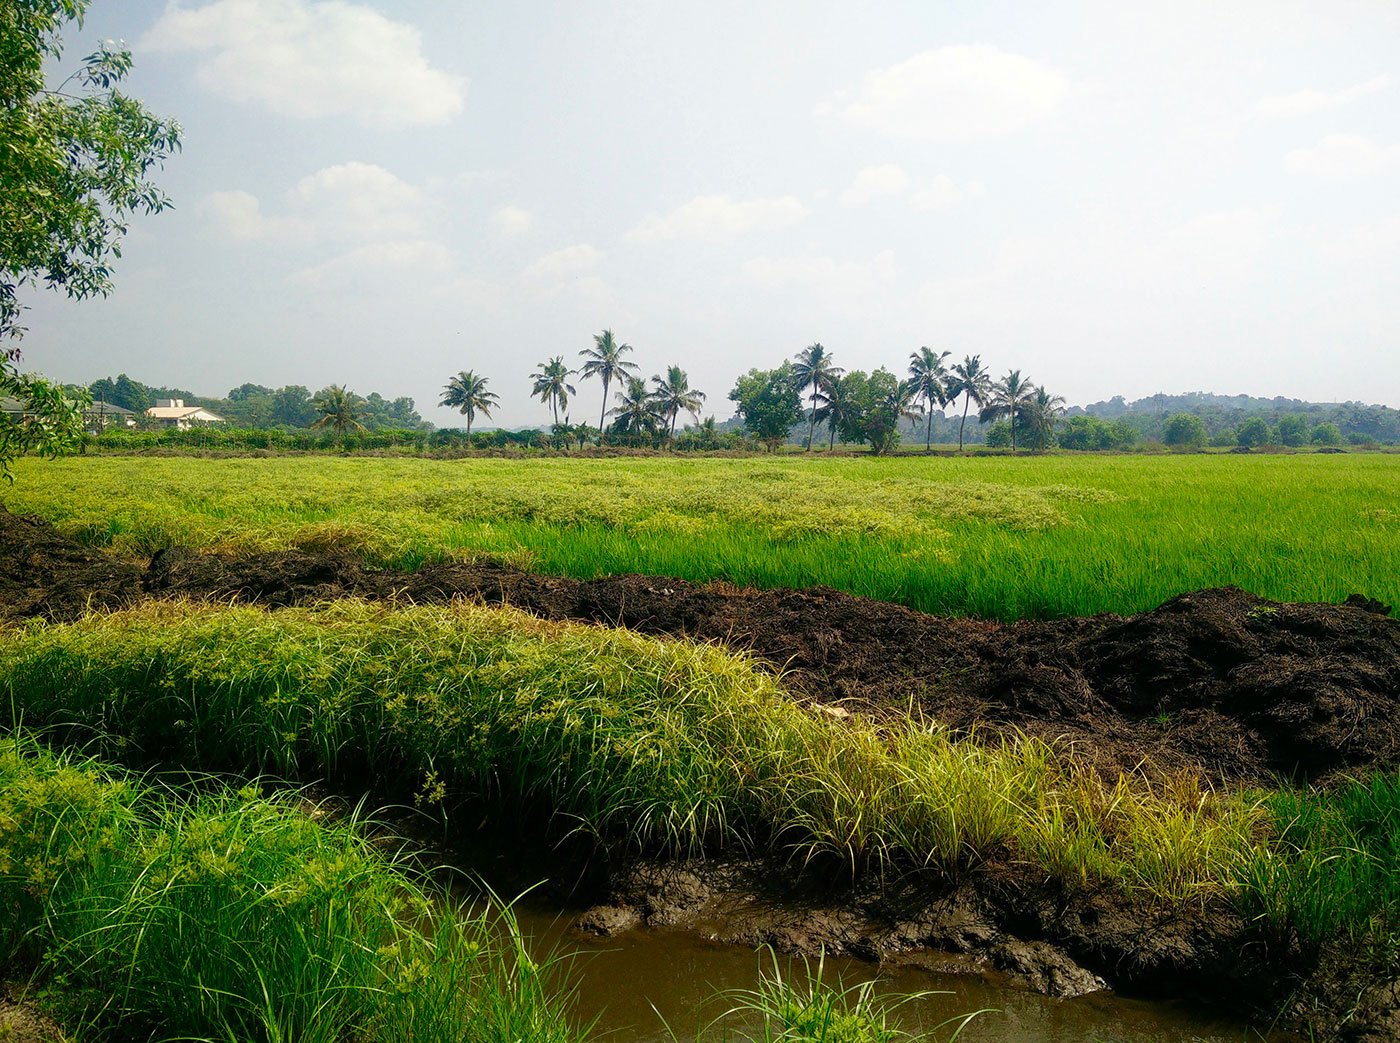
<point>632,982</point>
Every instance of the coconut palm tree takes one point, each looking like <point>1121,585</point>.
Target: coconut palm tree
<point>605,360</point>
<point>467,392</point>
<point>636,410</point>
<point>552,385</point>
<point>970,380</point>
<point>1009,397</point>
<point>340,409</point>
<point>930,382</point>
<point>1041,412</point>
<point>900,402</point>
<point>836,409</point>
<point>813,369</point>
<point>673,394</point>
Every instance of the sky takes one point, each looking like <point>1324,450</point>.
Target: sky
<point>1113,198</point>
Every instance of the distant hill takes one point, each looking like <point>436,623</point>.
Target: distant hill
<point>1358,422</point>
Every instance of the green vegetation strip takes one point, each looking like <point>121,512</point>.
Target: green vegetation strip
<point>995,537</point>
<point>236,917</point>
<point>667,745</point>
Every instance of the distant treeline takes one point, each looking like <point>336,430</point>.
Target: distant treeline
<point>256,406</point>
<point>220,437</point>
<point>281,418</point>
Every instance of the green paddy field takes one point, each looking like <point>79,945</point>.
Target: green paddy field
<point>994,537</point>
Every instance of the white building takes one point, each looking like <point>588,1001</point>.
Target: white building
<point>172,412</point>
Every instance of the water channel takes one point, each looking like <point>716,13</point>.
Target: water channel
<point>638,983</point>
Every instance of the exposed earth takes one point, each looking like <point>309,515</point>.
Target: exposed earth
<point>1243,689</point>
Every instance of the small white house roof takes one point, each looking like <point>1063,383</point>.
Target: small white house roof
<point>175,409</point>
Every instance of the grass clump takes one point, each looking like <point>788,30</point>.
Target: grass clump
<point>805,1008</point>
<point>664,745</point>
<point>235,916</point>
<point>1331,868</point>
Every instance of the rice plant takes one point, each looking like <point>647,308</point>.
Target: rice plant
<point>999,538</point>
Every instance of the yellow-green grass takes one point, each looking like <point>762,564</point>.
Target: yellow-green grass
<point>996,537</point>
<point>670,746</point>
<point>234,916</point>
<point>802,1006</point>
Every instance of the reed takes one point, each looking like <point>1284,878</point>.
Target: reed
<point>658,745</point>
<point>236,916</point>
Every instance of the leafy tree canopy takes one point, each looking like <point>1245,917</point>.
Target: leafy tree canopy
<point>75,163</point>
<point>769,401</point>
<point>1184,431</point>
<point>1253,431</point>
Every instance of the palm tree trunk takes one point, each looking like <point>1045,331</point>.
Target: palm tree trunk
<point>812,419</point>
<point>967,401</point>
<point>1013,428</point>
<point>928,432</point>
<point>832,427</point>
<point>604,411</point>
<point>469,430</point>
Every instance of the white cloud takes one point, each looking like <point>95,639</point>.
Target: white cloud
<point>718,217</point>
<point>570,262</point>
<point>350,201</point>
<point>375,261</point>
<point>1345,156</point>
<point>842,278</point>
<point>359,201</point>
<point>885,179</point>
<point>511,220</point>
<point>942,192</point>
<point>953,94</point>
<point>237,215</point>
<point>312,58</point>
<point>1308,102</point>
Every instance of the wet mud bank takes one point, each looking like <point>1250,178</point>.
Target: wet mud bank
<point>1239,688</point>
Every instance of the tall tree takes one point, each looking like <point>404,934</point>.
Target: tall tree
<point>813,369</point>
<point>292,405</point>
<point>552,385</point>
<point>770,402</point>
<point>929,381</point>
<point>882,402</point>
<point>637,409</point>
<point>674,393</point>
<point>1042,411</point>
<point>838,409</point>
<point>1008,399</point>
<point>604,360</point>
<point>340,409</point>
<point>974,383</point>
<point>466,392</point>
<point>75,164</point>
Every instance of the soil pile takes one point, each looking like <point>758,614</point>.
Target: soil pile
<point>45,574</point>
<point>1221,680</point>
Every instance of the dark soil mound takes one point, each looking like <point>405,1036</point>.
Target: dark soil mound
<point>1219,679</point>
<point>45,574</point>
